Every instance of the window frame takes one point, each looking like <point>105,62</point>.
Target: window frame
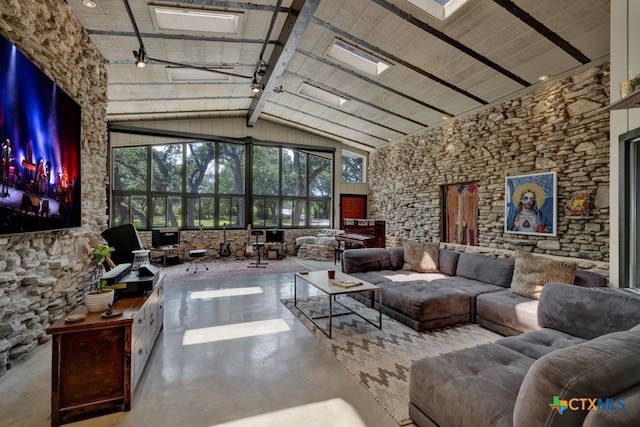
<point>242,202</point>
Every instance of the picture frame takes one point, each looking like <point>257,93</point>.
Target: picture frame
<point>531,204</point>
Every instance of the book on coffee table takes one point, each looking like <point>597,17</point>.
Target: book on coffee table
<point>346,283</point>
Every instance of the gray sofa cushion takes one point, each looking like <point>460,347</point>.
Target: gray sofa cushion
<point>587,312</point>
<point>627,417</point>
<point>354,260</point>
<point>472,387</point>
<point>589,279</point>
<point>538,343</point>
<point>396,257</point>
<point>496,271</point>
<point>418,302</point>
<point>602,367</point>
<point>508,309</point>
<point>448,261</point>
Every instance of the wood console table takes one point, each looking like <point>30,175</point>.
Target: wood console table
<point>96,363</point>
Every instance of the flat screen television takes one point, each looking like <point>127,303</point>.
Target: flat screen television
<point>40,146</point>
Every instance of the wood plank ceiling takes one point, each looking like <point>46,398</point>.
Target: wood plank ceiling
<point>487,50</point>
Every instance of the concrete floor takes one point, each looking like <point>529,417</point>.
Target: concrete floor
<point>282,377</point>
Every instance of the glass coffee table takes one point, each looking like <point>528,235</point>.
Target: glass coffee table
<point>320,280</point>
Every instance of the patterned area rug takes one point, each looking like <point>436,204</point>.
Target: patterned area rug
<point>231,267</point>
<point>380,360</point>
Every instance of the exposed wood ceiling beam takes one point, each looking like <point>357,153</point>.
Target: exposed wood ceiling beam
<point>294,27</point>
<point>374,83</point>
<point>450,41</point>
<point>397,60</point>
<point>544,30</point>
<point>354,98</point>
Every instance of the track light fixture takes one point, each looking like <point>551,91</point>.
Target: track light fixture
<point>89,3</point>
<point>256,87</point>
<point>141,57</point>
<point>278,89</point>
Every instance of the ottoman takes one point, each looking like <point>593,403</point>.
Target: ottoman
<point>423,306</point>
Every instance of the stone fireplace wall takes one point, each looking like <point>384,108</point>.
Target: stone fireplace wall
<point>558,126</point>
<point>43,275</point>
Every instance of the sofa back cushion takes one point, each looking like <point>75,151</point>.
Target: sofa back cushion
<point>601,368</point>
<point>396,257</point>
<point>361,260</point>
<point>587,312</point>
<point>488,269</point>
<point>589,279</point>
<point>421,256</point>
<point>448,262</point>
<point>532,272</point>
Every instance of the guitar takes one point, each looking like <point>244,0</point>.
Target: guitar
<point>225,251</point>
<point>249,249</point>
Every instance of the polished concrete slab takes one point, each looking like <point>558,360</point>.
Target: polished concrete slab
<point>230,354</point>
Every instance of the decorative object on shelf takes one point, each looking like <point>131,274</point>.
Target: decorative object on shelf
<point>579,205</point>
<point>531,204</point>
<point>629,86</point>
<point>111,312</point>
<point>98,299</point>
<point>140,257</point>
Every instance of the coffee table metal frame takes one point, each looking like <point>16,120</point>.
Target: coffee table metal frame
<point>320,280</point>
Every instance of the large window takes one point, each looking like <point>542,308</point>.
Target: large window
<point>205,183</point>
<point>352,167</point>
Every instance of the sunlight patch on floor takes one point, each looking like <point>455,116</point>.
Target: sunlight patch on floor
<point>234,331</point>
<point>230,292</point>
<point>334,413</point>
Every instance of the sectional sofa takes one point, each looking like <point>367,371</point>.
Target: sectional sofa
<point>566,346</point>
<point>467,287</point>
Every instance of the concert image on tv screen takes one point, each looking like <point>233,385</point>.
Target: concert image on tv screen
<point>40,131</point>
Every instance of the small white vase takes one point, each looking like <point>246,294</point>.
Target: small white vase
<point>99,301</point>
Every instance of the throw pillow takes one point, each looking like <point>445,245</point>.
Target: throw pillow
<point>421,256</point>
<point>532,272</point>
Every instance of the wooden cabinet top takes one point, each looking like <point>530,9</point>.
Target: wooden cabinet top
<point>128,305</point>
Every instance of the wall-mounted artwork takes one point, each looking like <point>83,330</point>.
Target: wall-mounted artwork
<point>531,204</point>
<point>579,205</point>
<point>460,213</point>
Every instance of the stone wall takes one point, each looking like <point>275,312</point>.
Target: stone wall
<point>556,127</point>
<point>43,275</point>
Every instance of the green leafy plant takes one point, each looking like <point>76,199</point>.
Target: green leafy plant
<point>635,82</point>
<point>100,254</point>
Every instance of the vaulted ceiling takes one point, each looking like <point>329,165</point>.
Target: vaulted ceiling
<point>486,51</point>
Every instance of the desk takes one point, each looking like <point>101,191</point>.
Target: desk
<point>168,251</point>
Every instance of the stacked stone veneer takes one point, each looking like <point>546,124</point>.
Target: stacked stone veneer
<point>557,127</point>
<point>43,275</point>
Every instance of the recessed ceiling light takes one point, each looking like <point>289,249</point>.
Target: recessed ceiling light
<point>356,58</point>
<point>208,21</point>
<point>321,95</point>
<point>439,9</point>
<point>543,77</point>
<point>89,3</point>
<point>185,74</point>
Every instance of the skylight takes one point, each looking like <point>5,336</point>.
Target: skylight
<point>185,74</point>
<point>321,95</point>
<point>356,58</point>
<point>205,21</point>
<point>439,9</point>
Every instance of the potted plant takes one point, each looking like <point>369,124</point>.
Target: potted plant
<point>97,298</point>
